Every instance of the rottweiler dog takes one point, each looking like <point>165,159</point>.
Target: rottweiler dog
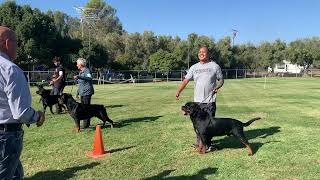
<point>207,126</point>
<point>47,99</point>
<point>80,111</point>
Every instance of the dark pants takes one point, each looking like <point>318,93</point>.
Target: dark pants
<point>10,148</point>
<point>86,100</point>
<point>57,91</point>
<point>211,108</point>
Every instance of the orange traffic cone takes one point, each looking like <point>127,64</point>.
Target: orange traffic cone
<point>98,149</point>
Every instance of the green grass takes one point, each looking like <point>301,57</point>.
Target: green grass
<point>153,141</point>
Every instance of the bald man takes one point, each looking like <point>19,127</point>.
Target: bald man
<point>15,107</point>
<point>208,79</point>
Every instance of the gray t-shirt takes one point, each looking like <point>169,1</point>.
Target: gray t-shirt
<point>205,77</point>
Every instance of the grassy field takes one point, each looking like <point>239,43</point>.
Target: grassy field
<point>154,139</point>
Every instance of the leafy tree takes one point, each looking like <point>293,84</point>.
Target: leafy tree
<point>106,19</point>
<point>35,31</point>
<point>299,53</point>
<point>126,61</point>
<point>181,54</point>
<point>96,56</point>
<point>225,54</point>
<point>60,22</point>
<point>149,46</point>
<point>245,56</point>
<point>163,61</point>
<point>133,48</point>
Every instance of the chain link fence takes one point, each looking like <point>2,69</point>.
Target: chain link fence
<point>36,77</point>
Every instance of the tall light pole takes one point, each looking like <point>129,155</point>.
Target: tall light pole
<point>234,34</point>
<point>88,16</point>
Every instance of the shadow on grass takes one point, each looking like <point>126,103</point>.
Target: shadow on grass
<point>124,123</point>
<point>134,120</point>
<point>114,106</point>
<point>232,142</point>
<point>120,149</point>
<point>201,175</point>
<point>61,174</point>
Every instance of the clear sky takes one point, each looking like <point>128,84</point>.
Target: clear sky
<point>256,20</point>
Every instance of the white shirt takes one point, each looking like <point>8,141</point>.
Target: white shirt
<point>15,97</point>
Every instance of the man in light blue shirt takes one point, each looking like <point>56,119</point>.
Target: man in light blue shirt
<point>208,79</point>
<point>15,107</point>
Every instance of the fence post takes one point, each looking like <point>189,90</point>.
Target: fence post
<point>138,77</point>
<point>311,72</point>
<point>180,75</point>
<point>29,77</point>
<point>155,76</point>
<point>168,76</point>
<point>236,73</point>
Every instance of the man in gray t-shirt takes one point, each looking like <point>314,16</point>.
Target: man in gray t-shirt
<point>208,79</point>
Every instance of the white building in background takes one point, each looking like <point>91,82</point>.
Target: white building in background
<point>287,67</point>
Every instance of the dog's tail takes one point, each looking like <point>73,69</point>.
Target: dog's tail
<point>250,121</point>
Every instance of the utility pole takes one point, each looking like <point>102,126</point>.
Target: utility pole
<point>234,34</point>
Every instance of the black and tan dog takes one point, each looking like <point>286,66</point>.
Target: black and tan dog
<point>80,111</point>
<point>47,99</point>
<point>207,126</point>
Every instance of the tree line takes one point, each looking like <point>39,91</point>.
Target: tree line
<point>106,45</point>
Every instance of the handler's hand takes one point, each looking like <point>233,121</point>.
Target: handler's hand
<point>41,119</point>
<point>177,95</point>
<point>75,77</point>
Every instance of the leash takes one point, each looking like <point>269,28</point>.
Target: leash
<point>210,94</point>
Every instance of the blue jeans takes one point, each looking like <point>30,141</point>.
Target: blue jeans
<point>10,150</point>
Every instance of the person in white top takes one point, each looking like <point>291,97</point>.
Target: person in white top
<point>208,80</point>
